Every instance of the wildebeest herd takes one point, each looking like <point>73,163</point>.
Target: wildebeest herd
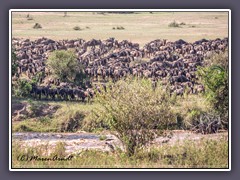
<point>173,63</point>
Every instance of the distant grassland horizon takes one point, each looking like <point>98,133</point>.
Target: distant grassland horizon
<point>139,27</point>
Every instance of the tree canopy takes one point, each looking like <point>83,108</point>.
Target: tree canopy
<point>64,65</point>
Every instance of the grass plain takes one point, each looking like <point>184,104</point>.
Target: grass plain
<point>140,27</point>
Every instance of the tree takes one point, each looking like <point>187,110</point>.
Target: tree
<point>214,76</point>
<point>64,65</point>
<point>134,111</point>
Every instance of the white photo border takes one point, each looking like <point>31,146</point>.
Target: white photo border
<point>117,169</point>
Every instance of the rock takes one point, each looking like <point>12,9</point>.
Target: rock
<point>59,136</point>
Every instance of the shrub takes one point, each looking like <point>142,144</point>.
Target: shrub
<point>174,24</point>
<point>182,23</point>
<point>214,76</point>
<point>120,28</point>
<point>102,137</point>
<point>64,65</point>
<point>77,28</point>
<point>189,109</point>
<point>37,26</point>
<point>134,112</point>
<point>23,88</point>
<point>23,128</point>
<point>38,77</point>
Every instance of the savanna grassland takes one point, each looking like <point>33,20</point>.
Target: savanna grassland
<point>141,27</point>
<point>134,121</point>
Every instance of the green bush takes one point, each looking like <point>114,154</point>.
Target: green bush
<point>215,79</point>
<point>22,88</point>
<point>214,76</point>
<point>134,112</point>
<point>64,65</point>
<point>38,77</point>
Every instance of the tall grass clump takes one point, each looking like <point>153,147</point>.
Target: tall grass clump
<point>188,110</point>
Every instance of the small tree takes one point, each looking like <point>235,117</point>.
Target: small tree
<point>134,112</point>
<point>215,78</point>
<point>64,65</point>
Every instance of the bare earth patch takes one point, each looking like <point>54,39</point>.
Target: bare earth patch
<point>22,110</point>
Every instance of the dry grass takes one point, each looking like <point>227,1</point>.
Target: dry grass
<point>204,154</point>
<point>189,107</point>
<point>140,27</point>
<point>68,117</point>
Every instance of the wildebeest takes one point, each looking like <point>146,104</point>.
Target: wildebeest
<point>175,62</point>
